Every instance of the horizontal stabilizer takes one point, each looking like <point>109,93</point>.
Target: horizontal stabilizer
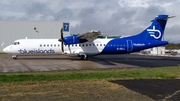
<point>164,18</point>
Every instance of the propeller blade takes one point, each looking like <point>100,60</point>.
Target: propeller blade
<point>62,37</point>
<point>62,40</point>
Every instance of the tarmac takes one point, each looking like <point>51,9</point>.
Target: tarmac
<point>157,89</point>
<point>61,62</point>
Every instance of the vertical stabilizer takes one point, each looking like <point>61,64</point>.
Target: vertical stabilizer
<point>156,30</point>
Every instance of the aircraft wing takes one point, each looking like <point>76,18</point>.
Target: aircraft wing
<point>90,36</point>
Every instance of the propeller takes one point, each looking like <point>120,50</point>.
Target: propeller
<point>62,40</point>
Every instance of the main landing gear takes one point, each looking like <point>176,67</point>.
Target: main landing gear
<point>83,56</point>
<point>14,57</point>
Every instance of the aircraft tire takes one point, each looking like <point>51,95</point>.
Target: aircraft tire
<point>14,57</point>
<point>84,57</point>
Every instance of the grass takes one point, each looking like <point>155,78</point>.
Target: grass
<point>79,85</point>
<point>70,90</point>
<point>107,74</point>
<point>2,53</point>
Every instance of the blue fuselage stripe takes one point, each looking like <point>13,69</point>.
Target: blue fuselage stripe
<point>121,46</point>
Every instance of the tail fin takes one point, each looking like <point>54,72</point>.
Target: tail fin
<point>156,30</point>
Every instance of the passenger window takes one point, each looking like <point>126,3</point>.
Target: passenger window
<point>40,45</point>
<point>54,45</point>
<point>51,45</point>
<point>79,44</point>
<point>47,45</point>
<point>58,45</point>
<point>89,44</point>
<point>86,44</point>
<point>100,44</point>
<point>44,45</point>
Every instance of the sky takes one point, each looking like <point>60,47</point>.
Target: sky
<point>111,17</point>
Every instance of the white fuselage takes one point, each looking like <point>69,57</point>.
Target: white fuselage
<point>53,46</point>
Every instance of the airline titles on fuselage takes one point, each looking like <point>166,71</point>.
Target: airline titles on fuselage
<point>35,51</point>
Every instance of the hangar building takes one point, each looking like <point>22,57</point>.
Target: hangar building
<point>13,30</point>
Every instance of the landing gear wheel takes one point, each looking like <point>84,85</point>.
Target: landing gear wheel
<point>14,57</point>
<point>84,57</point>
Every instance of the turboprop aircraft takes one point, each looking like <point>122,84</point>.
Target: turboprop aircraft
<point>89,44</point>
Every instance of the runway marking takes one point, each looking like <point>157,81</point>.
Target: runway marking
<point>170,96</point>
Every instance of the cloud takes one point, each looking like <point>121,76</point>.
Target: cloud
<point>112,17</point>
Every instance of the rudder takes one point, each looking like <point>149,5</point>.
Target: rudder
<point>156,30</point>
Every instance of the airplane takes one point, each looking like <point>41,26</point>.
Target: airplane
<point>89,44</point>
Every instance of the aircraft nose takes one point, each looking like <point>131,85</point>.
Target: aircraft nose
<point>5,49</point>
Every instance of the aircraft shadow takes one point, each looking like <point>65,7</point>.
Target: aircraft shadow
<point>113,60</point>
<point>137,60</point>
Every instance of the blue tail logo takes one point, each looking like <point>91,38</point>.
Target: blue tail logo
<point>154,33</point>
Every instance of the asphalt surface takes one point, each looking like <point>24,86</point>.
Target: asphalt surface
<point>137,60</point>
<point>157,89</point>
<point>61,62</point>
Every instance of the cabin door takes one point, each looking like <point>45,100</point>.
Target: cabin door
<point>129,46</point>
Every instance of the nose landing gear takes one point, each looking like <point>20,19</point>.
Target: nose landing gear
<point>14,57</point>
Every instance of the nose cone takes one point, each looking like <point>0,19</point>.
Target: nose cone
<point>5,50</point>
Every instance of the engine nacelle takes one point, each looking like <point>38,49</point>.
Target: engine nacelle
<point>73,40</point>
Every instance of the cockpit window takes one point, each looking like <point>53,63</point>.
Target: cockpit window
<point>16,43</point>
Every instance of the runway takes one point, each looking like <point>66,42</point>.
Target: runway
<point>61,62</point>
